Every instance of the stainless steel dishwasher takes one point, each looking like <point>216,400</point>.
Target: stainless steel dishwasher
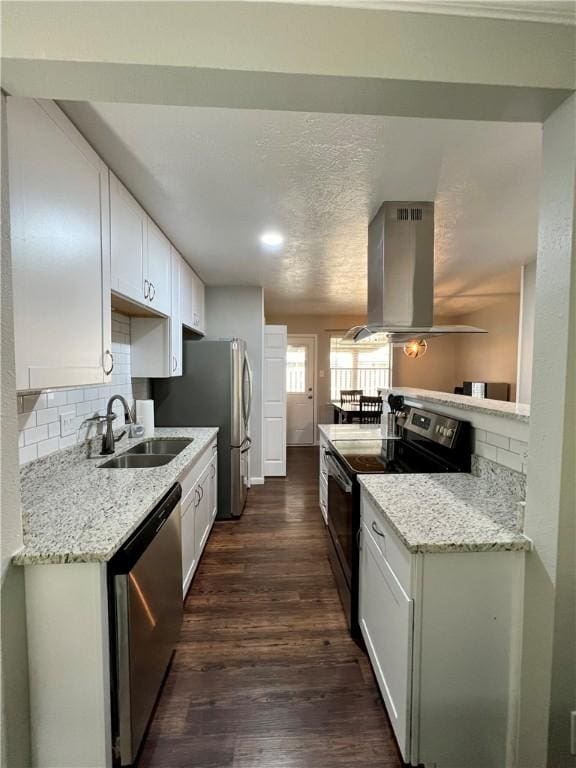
<point>145,595</point>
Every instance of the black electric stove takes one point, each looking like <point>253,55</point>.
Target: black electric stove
<point>428,443</point>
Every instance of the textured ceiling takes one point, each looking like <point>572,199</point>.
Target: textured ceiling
<point>214,179</point>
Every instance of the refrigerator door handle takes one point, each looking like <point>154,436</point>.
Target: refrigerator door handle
<point>247,407</point>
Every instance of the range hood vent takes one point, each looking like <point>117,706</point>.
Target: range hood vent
<point>401,276</point>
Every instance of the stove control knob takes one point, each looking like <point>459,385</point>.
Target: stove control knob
<point>449,432</point>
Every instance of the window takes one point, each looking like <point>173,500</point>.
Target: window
<point>366,366</point>
<point>295,369</point>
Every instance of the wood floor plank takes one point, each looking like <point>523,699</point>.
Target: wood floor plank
<point>265,674</point>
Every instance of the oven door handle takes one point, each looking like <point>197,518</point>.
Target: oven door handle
<point>338,475</point>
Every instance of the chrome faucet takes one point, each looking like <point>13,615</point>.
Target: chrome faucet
<point>109,441</point>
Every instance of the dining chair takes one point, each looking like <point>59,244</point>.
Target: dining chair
<point>370,409</point>
<point>350,395</point>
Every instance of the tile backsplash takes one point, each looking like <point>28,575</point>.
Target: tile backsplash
<point>39,414</point>
<point>501,449</point>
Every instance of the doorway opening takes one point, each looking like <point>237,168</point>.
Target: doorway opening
<point>301,389</point>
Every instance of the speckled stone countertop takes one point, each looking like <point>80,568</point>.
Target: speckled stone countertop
<point>517,411</point>
<point>74,512</point>
<point>447,512</point>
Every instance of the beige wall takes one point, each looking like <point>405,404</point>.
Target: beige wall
<point>492,356</point>
<point>436,370</point>
<point>450,360</point>
<point>322,326</point>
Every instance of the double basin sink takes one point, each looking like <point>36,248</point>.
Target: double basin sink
<point>154,452</point>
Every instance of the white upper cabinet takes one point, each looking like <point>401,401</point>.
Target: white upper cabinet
<point>141,261</point>
<point>192,299</point>
<point>128,233</point>
<point>159,267</point>
<point>59,218</point>
<point>199,303</point>
<point>176,317</point>
<point>157,341</point>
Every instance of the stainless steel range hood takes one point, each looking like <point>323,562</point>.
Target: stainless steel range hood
<point>401,276</point>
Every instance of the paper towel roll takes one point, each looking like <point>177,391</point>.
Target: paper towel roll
<point>145,416</point>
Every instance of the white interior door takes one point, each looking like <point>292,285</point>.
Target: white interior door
<point>275,342</point>
<point>300,384</point>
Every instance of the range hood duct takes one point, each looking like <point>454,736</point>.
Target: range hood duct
<point>401,276</point>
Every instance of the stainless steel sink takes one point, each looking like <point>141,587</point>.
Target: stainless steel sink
<point>161,446</point>
<point>137,461</point>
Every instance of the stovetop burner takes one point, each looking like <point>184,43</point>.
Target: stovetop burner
<point>363,457</point>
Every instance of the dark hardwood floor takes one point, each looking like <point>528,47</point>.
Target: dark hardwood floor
<point>265,674</point>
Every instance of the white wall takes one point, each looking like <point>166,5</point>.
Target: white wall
<point>526,332</point>
<point>39,413</point>
<point>548,684</point>
<point>14,724</point>
<point>238,311</point>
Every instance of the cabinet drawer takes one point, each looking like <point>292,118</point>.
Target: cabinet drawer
<point>388,544</point>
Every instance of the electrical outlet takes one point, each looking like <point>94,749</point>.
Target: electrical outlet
<point>573,733</point>
<point>67,424</point>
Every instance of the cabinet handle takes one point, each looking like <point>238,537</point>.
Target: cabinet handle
<point>202,492</point>
<point>146,288</point>
<point>213,470</point>
<point>109,370</point>
<point>377,530</point>
<point>197,495</point>
<point>174,363</point>
<point>152,292</point>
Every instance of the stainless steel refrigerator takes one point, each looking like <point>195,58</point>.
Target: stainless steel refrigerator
<point>215,390</point>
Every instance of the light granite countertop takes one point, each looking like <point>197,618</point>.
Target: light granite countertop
<point>517,411</point>
<point>447,512</point>
<point>75,512</point>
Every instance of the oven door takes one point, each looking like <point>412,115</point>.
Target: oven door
<point>341,515</point>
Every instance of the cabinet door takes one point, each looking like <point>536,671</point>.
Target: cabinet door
<point>128,232</point>
<point>198,304</point>
<point>386,620</point>
<point>202,511</point>
<point>176,317</point>
<point>159,269</point>
<point>60,250</point>
<point>213,481</point>
<point>188,546</point>
<point>186,295</point>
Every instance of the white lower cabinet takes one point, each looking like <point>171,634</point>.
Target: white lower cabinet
<point>442,633</point>
<point>198,511</point>
<point>386,620</point>
<point>323,479</point>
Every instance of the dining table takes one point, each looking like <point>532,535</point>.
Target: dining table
<point>345,413</point>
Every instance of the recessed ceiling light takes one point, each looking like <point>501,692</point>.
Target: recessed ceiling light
<point>271,239</point>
